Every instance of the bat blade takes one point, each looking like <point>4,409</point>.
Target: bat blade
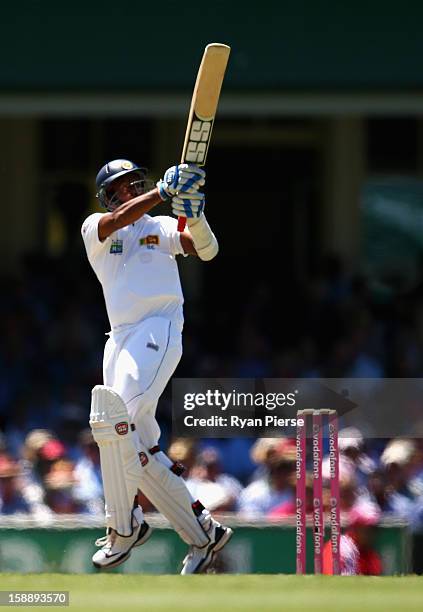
<point>205,99</point>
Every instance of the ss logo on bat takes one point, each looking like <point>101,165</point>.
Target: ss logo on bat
<point>198,141</point>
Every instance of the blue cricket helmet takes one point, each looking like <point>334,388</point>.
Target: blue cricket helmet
<point>110,172</point>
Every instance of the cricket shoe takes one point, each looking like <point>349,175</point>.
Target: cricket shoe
<point>199,559</point>
<point>115,549</point>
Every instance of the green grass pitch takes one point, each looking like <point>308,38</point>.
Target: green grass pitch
<point>221,593</point>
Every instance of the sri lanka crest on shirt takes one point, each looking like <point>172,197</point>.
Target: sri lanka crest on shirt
<point>149,241</point>
<point>116,247</point>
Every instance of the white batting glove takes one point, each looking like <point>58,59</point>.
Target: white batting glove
<point>184,178</point>
<point>189,205</point>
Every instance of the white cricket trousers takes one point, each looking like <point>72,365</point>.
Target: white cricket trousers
<point>138,363</point>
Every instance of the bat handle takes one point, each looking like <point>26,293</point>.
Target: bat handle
<point>181,224</point>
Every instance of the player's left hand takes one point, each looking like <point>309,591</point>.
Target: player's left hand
<point>190,205</point>
<point>184,178</point>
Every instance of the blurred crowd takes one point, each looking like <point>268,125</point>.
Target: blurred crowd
<point>52,330</point>
<point>49,476</point>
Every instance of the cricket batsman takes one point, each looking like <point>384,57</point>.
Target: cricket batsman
<point>134,257</point>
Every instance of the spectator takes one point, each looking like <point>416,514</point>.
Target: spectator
<point>288,507</point>
<point>358,555</point>
<point>40,451</point>
<point>234,454</point>
<point>376,487</point>
<point>352,457</point>
<point>11,499</point>
<point>398,461</point>
<point>207,481</point>
<point>88,489</point>
<point>59,482</point>
<point>350,494</point>
<point>275,486</point>
<point>32,487</point>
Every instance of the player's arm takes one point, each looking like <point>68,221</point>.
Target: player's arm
<point>199,240</point>
<point>184,178</point>
<point>187,244</point>
<point>127,213</point>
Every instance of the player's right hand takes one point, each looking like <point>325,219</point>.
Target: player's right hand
<point>189,205</point>
<point>184,178</point>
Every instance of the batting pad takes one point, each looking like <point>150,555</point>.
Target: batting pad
<point>120,465</point>
<point>169,493</point>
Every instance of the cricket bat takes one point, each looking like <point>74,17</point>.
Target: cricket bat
<point>203,107</point>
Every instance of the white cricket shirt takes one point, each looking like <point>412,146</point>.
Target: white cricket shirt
<point>137,269</point>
